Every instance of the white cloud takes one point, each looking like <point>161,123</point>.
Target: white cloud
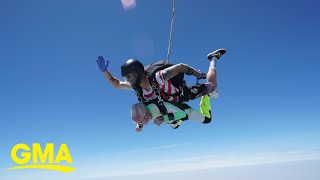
<point>209,162</point>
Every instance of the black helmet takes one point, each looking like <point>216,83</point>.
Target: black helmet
<point>132,71</point>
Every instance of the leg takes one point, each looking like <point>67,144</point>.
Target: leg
<point>202,116</point>
<point>196,115</point>
<point>205,108</point>
<point>211,85</point>
<point>212,77</point>
<point>212,74</point>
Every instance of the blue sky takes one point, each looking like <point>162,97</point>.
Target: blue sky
<point>53,91</point>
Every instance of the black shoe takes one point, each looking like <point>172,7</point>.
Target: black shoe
<point>217,53</point>
<point>176,124</point>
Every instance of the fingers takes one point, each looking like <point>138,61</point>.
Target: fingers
<point>107,63</point>
<point>100,58</point>
<point>103,65</point>
<point>99,64</point>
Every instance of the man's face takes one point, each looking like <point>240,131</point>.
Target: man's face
<point>144,80</point>
<point>131,78</point>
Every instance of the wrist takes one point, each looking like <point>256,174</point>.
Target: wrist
<point>198,74</point>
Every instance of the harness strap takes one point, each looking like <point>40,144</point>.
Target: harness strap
<point>158,101</point>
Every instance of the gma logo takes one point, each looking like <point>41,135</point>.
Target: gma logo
<point>41,159</point>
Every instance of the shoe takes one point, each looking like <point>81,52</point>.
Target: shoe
<point>217,53</point>
<point>176,124</point>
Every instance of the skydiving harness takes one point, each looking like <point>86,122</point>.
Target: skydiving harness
<point>176,81</point>
<point>158,101</point>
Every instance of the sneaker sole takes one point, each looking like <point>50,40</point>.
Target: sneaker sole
<point>221,50</point>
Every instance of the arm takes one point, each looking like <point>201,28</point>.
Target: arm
<point>103,65</point>
<point>174,70</point>
<point>116,82</point>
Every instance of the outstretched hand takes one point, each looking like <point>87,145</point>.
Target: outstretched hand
<point>103,65</point>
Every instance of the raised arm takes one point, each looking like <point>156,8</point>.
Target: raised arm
<point>174,70</point>
<point>116,82</point>
<point>103,65</point>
